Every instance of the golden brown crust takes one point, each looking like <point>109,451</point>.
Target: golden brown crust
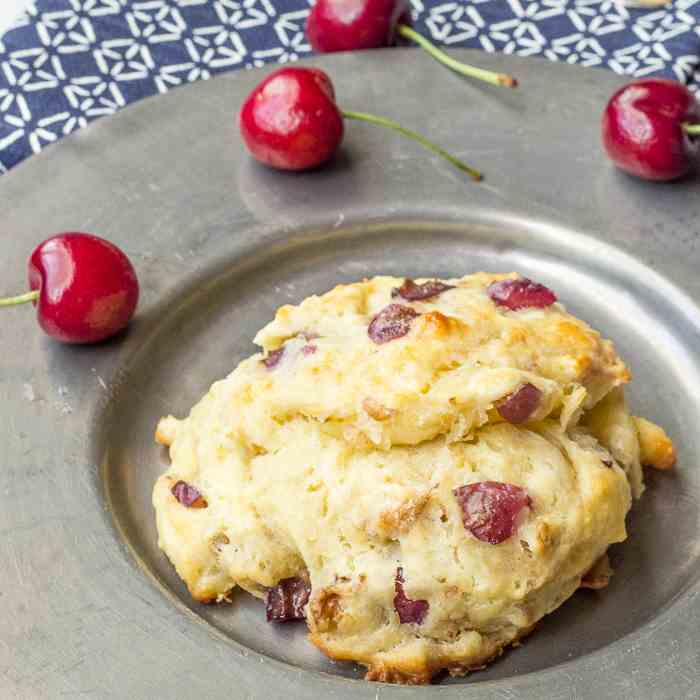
<point>376,410</point>
<point>439,326</point>
<point>656,448</point>
<point>165,430</point>
<point>458,669</point>
<point>344,462</point>
<point>386,674</point>
<point>599,575</point>
<point>612,425</point>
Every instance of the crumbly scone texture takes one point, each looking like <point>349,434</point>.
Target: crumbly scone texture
<point>339,463</point>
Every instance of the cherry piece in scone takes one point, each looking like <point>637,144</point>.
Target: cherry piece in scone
<point>84,287</point>
<point>410,291</point>
<point>491,510</point>
<point>519,406</point>
<point>287,601</point>
<point>272,359</point>
<point>188,495</point>
<point>291,121</point>
<point>649,129</point>
<point>351,25</point>
<point>392,322</point>
<point>408,610</point>
<point>522,293</point>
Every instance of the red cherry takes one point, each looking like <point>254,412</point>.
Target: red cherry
<point>84,287</point>
<point>646,129</point>
<point>291,121</point>
<point>350,25</point>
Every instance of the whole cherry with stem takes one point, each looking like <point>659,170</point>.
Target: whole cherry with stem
<point>649,129</point>
<point>84,287</point>
<point>350,25</point>
<point>291,121</point>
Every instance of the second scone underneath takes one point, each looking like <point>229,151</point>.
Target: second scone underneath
<point>420,470</point>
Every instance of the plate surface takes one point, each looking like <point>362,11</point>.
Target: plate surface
<point>89,604</point>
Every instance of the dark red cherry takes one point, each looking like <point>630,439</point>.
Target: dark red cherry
<point>648,129</point>
<point>408,610</point>
<point>290,121</point>
<point>272,359</point>
<point>188,495</point>
<point>287,601</point>
<point>350,25</point>
<point>410,291</point>
<point>520,405</point>
<point>491,510</point>
<point>521,293</point>
<point>84,287</point>
<point>392,322</point>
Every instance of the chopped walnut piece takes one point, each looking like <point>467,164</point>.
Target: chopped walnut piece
<point>219,540</point>
<point>544,535</point>
<point>394,521</point>
<point>376,410</point>
<point>326,609</point>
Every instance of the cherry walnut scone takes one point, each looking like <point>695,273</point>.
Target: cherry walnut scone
<point>420,469</point>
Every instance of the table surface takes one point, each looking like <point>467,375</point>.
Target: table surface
<point>77,60</point>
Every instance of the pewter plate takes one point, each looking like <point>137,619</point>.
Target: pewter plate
<point>88,605</point>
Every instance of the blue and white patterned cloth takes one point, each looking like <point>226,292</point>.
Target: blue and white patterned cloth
<point>67,62</point>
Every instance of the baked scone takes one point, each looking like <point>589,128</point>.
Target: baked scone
<point>421,469</point>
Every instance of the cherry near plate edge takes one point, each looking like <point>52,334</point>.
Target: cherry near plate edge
<point>168,180</point>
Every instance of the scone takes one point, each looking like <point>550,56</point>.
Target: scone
<point>420,469</point>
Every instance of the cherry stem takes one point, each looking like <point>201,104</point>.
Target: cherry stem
<point>391,124</point>
<point>20,299</point>
<point>462,68</point>
<point>691,129</point>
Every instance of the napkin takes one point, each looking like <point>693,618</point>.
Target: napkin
<point>66,62</point>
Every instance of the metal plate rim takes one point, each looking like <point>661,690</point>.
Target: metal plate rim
<point>66,156</point>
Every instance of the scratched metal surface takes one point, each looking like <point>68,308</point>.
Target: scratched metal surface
<point>88,606</point>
